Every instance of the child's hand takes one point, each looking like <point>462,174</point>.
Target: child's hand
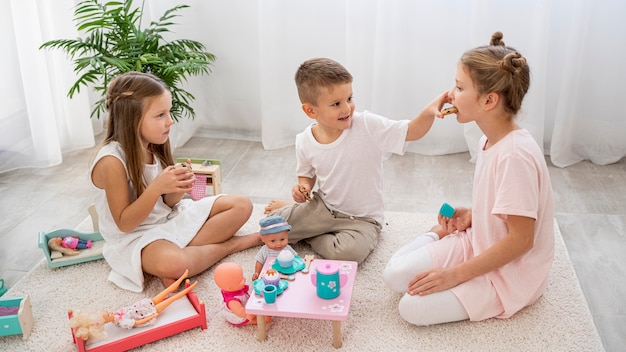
<point>461,220</point>
<point>438,104</point>
<point>301,193</point>
<point>174,180</point>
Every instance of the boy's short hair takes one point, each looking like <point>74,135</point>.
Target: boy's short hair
<point>319,73</point>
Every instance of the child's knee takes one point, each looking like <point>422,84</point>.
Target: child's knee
<point>349,254</point>
<point>410,310</point>
<point>173,264</point>
<point>390,278</point>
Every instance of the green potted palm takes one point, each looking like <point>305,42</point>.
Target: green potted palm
<point>114,42</point>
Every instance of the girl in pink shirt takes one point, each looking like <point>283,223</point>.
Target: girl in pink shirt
<point>500,264</point>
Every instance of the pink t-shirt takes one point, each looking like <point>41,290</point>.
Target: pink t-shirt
<point>511,178</point>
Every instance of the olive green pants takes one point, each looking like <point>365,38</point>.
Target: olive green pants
<point>331,234</point>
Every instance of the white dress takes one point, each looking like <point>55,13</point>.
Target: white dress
<point>121,250</point>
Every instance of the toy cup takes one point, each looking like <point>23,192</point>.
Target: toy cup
<point>447,210</point>
<point>269,293</point>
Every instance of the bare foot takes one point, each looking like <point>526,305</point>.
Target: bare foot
<point>239,243</point>
<point>167,282</point>
<point>276,204</point>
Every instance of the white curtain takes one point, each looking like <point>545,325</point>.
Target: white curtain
<point>402,53</point>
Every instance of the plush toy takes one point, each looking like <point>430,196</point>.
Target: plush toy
<point>88,325</point>
<point>229,278</point>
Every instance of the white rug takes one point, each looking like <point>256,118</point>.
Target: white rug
<point>559,321</point>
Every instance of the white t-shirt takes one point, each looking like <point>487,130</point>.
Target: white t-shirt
<point>349,170</point>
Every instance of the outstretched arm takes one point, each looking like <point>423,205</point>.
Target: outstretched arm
<point>421,124</point>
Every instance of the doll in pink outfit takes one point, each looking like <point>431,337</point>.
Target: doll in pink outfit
<point>235,292</point>
<point>75,243</point>
<point>500,264</point>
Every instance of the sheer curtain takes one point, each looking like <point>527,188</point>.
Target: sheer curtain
<point>402,53</point>
<point>38,123</point>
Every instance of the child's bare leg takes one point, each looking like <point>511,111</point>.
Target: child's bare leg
<point>275,204</point>
<point>167,261</point>
<point>228,214</point>
<point>203,257</point>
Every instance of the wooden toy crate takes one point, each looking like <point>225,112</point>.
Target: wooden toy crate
<point>20,323</point>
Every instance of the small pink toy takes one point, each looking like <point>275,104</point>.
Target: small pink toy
<point>75,243</point>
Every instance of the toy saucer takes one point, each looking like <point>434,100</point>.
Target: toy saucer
<point>259,284</point>
<point>297,265</point>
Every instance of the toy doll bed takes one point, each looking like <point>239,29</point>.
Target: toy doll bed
<point>56,259</point>
<point>182,315</point>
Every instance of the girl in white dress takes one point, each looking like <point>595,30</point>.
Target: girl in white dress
<point>147,225</point>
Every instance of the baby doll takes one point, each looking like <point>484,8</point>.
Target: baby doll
<point>275,236</point>
<point>143,313</point>
<point>229,278</point>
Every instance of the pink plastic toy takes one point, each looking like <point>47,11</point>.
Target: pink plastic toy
<point>75,243</point>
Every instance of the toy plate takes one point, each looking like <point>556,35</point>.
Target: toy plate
<point>259,284</point>
<point>297,265</point>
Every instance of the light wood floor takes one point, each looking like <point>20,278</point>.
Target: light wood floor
<point>590,205</point>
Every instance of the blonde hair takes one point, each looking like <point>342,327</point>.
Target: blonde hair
<point>128,95</point>
<point>500,69</point>
<point>319,73</point>
<point>87,325</point>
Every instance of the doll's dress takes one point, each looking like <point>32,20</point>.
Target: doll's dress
<point>126,317</point>
<point>241,296</point>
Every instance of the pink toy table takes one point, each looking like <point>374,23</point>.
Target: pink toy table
<point>300,300</point>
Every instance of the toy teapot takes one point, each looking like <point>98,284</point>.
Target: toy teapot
<point>328,280</point>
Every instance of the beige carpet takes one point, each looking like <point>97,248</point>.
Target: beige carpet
<point>559,321</point>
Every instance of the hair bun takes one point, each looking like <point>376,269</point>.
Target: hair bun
<point>496,39</point>
<point>513,62</point>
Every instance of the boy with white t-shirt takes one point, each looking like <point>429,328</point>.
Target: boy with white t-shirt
<point>343,152</point>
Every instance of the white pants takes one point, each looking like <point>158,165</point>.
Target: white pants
<point>435,308</point>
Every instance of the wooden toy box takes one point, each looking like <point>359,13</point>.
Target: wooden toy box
<point>20,323</point>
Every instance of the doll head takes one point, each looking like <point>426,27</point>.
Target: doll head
<point>88,325</point>
<point>229,277</point>
<point>274,232</point>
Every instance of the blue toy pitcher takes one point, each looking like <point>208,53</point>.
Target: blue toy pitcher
<point>328,280</point>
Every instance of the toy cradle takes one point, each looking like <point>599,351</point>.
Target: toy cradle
<point>56,260</point>
<point>20,323</point>
<point>182,315</point>
<point>85,255</point>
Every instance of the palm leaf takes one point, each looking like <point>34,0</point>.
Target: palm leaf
<point>113,42</point>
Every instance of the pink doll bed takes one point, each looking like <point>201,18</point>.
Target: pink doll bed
<point>182,315</point>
